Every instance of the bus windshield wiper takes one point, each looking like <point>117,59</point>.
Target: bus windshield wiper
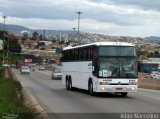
<point>114,71</point>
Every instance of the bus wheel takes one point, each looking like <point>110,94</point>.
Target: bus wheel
<point>67,84</point>
<point>70,85</point>
<point>124,94</point>
<point>90,88</point>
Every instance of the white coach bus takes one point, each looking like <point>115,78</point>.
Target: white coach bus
<point>100,67</point>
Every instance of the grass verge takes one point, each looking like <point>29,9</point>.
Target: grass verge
<point>11,100</point>
<point>153,84</point>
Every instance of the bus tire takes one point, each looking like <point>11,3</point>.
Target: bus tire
<point>90,88</point>
<point>67,84</point>
<point>70,85</point>
<point>124,94</point>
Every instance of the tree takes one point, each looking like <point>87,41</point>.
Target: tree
<point>24,36</point>
<point>14,47</point>
<point>54,41</point>
<point>40,44</point>
<point>61,42</point>
<point>35,36</point>
<point>142,54</point>
<point>40,37</point>
<point>156,53</point>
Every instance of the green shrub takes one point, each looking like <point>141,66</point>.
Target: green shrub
<point>1,71</point>
<point>11,100</point>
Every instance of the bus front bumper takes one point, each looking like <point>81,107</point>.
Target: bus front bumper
<point>116,88</point>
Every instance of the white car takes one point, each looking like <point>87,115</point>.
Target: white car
<point>154,75</point>
<point>56,74</point>
<point>25,70</point>
<point>5,65</point>
<point>41,68</point>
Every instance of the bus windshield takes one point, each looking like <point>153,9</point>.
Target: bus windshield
<point>117,67</point>
<point>117,51</point>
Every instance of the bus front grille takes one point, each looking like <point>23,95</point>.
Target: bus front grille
<point>119,84</point>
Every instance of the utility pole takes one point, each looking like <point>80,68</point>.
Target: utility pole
<point>79,13</point>
<point>74,33</point>
<point>60,37</point>
<point>44,35</point>
<point>74,29</point>
<point>4,17</point>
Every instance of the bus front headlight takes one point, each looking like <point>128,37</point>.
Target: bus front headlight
<point>134,88</point>
<point>102,88</point>
<point>132,83</point>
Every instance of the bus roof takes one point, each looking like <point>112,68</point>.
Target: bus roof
<point>101,44</point>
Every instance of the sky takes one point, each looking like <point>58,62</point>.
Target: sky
<point>137,18</point>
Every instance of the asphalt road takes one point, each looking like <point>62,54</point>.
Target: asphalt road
<point>54,98</point>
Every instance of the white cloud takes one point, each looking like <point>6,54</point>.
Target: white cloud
<point>144,4</point>
<point>39,23</point>
<point>115,17</point>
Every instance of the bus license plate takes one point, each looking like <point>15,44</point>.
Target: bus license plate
<point>119,88</point>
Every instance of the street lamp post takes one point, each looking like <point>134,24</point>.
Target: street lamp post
<point>79,13</point>
<point>4,17</point>
<point>74,29</point>
<point>74,33</point>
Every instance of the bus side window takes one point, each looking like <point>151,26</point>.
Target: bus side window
<point>94,52</point>
<point>80,54</point>
<point>68,55</point>
<point>89,53</point>
<point>63,56</point>
<point>72,55</point>
<point>83,54</point>
<point>86,54</point>
<point>76,54</point>
<point>95,67</point>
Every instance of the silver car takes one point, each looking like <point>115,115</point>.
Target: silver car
<point>41,68</point>
<point>5,65</point>
<point>154,75</point>
<point>56,74</point>
<point>25,70</point>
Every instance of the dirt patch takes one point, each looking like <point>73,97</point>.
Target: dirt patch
<point>148,83</point>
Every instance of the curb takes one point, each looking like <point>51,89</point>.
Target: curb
<point>30,101</point>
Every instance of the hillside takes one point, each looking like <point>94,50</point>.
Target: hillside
<point>16,30</point>
<point>153,38</point>
<point>89,38</point>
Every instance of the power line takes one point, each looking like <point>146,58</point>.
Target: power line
<point>4,17</point>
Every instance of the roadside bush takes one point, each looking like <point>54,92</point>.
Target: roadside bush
<point>1,71</point>
<point>11,100</point>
